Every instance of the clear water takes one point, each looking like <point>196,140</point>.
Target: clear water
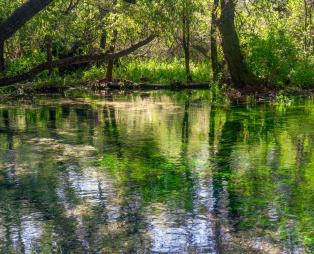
<point>156,173</point>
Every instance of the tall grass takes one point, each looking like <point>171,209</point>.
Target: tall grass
<point>158,71</point>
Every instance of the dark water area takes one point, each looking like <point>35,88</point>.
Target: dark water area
<point>160,172</point>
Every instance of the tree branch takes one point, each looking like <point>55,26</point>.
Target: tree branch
<point>20,16</point>
<point>73,61</point>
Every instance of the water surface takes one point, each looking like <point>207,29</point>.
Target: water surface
<point>156,172</point>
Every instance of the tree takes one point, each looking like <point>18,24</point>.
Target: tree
<point>2,66</point>
<point>308,24</point>
<point>17,19</point>
<point>213,41</point>
<point>109,74</point>
<point>20,16</point>
<point>74,61</point>
<point>241,76</point>
<point>1,55</point>
<point>186,36</point>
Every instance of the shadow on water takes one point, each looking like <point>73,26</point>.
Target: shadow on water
<point>161,172</point>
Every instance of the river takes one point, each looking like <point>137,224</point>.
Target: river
<point>157,172</point>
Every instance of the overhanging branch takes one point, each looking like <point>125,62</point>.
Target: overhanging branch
<point>73,61</point>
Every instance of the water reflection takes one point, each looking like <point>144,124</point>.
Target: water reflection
<point>156,173</point>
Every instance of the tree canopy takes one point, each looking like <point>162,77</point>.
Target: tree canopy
<point>250,43</point>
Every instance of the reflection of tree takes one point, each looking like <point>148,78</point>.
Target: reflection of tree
<point>35,187</point>
<point>111,130</point>
<point>140,165</point>
<point>264,171</point>
<point>85,124</point>
<point>40,194</point>
<point>6,121</point>
<point>185,123</point>
<point>222,175</point>
<point>262,160</point>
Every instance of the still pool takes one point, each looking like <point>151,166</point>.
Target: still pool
<point>158,172</point>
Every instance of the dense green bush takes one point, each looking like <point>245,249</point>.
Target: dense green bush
<point>94,73</point>
<point>276,58</point>
<point>302,73</point>
<point>25,62</point>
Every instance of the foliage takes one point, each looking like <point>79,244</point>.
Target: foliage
<point>275,58</point>
<point>93,73</point>
<point>159,71</point>
<point>279,49</point>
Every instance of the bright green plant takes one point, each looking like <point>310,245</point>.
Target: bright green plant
<point>159,71</point>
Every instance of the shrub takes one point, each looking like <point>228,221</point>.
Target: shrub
<point>272,57</point>
<point>93,73</point>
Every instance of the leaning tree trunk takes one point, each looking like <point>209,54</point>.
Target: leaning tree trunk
<point>239,72</point>
<point>69,61</point>
<point>20,16</point>
<point>213,42</point>
<point>23,14</point>
<point>17,19</point>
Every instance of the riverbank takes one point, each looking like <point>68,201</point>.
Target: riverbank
<point>79,89</point>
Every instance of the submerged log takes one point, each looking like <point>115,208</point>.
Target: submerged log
<point>73,61</point>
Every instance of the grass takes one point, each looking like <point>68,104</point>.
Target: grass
<point>278,67</point>
<point>159,71</point>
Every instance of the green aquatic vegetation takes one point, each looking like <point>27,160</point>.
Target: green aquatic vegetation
<point>157,180</point>
<point>282,100</point>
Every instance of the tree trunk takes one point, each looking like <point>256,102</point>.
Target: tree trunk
<point>103,38</point>
<point>186,43</point>
<point>20,16</point>
<point>23,14</point>
<point>49,49</point>
<point>305,25</point>
<point>48,40</point>
<point>308,25</point>
<point>110,65</point>
<point>73,61</point>
<point>213,42</point>
<point>239,72</point>
<point>311,9</point>
<point>2,66</point>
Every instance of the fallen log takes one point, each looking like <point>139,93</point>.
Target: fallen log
<point>73,61</point>
<point>151,87</point>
